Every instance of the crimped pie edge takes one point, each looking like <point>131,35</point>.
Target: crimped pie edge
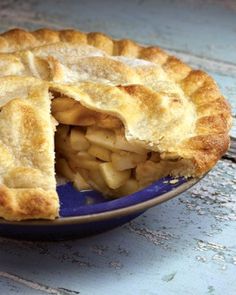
<point>213,111</point>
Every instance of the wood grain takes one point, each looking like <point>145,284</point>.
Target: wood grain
<point>186,245</point>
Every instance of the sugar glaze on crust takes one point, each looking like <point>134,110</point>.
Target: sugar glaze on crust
<point>210,139</point>
<point>213,111</point>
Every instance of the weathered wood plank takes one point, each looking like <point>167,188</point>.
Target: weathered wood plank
<point>205,28</point>
<point>17,284</point>
<point>189,237</point>
<point>187,244</point>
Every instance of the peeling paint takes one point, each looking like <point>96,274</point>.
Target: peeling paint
<point>187,233</point>
<point>169,277</point>
<point>37,286</point>
<point>157,237</point>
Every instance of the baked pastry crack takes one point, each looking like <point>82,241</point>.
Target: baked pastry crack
<point>122,116</point>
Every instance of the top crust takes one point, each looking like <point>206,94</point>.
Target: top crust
<point>202,136</point>
<point>213,111</point>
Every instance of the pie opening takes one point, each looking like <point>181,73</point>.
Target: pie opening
<point>93,152</point>
<point>126,116</point>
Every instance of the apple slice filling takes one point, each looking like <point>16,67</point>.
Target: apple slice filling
<point>92,152</point>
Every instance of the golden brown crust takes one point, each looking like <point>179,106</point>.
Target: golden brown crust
<point>36,203</point>
<point>205,151</point>
<point>176,69</point>
<point>201,88</point>
<point>210,139</point>
<point>28,186</point>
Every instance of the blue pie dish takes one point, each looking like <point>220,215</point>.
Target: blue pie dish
<point>88,212</point>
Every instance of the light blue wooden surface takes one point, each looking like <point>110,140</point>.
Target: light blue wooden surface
<point>185,246</point>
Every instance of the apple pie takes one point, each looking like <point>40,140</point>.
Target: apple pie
<point>106,114</point>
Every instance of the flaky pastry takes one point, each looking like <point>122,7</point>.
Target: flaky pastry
<point>127,115</point>
<point>28,186</point>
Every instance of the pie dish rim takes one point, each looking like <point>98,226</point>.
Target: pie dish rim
<point>187,77</point>
<point>116,213</point>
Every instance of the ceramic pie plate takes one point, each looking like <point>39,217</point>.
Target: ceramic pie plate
<point>88,212</point>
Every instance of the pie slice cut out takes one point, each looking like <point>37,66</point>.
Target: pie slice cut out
<point>122,116</point>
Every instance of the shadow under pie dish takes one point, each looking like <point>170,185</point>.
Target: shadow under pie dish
<point>123,116</point>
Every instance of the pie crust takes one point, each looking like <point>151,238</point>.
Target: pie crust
<point>162,105</point>
<point>28,186</point>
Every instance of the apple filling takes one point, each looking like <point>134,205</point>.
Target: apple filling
<point>92,152</point>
